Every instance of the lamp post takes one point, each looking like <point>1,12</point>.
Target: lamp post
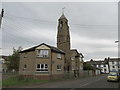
<point>1,16</point>
<point>117,41</point>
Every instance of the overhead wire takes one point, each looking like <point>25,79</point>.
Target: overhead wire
<point>51,22</point>
<point>21,36</point>
<point>19,30</point>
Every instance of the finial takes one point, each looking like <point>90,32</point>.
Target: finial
<point>63,10</point>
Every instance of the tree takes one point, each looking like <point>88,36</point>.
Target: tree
<point>87,66</point>
<point>13,60</point>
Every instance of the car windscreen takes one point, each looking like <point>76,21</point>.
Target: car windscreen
<point>112,74</point>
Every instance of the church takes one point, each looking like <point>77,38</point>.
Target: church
<point>48,62</point>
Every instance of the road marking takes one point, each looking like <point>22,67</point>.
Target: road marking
<point>89,83</point>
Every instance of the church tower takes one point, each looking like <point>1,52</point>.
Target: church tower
<point>63,39</point>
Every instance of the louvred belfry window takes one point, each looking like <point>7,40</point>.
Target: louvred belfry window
<point>61,25</point>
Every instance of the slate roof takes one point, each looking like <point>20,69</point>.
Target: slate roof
<point>114,59</point>
<point>97,62</point>
<point>78,54</point>
<point>54,49</point>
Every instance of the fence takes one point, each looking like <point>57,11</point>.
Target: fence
<point>81,74</point>
<point>65,75</point>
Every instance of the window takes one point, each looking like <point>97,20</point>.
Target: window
<point>72,58</point>
<point>113,66</point>
<point>97,66</point>
<point>26,55</point>
<point>105,70</point>
<point>61,25</point>
<point>43,53</point>
<point>73,67</point>
<point>80,59</point>
<point>59,55</point>
<point>112,62</point>
<point>59,67</point>
<point>25,66</point>
<point>42,68</point>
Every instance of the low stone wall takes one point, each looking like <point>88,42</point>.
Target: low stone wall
<point>42,77</point>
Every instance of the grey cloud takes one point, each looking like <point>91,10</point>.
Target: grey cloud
<point>37,22</point>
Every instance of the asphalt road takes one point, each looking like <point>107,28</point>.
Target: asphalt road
<point>89,82</point>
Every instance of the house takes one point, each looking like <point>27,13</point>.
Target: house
<point>76,62</point>
<point>42,61</point>
<point>101,65</point>
<point>3,63</point>
<point>114,64</point>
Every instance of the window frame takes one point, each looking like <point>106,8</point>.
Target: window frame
<point>59,67</point>
<point>59,55</point>
<point>72,58</point>
<point>25,67</point>
<point>41,53</point>
<point>44,69</point>
<point>26,55</point>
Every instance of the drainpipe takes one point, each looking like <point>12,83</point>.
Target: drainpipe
<point>51,66</point>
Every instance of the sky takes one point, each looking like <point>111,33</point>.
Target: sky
<point>93,26</point>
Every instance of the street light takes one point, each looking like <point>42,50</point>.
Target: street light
<point>116,41</point>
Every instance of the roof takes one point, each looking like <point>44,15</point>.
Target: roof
<point>63,17</point>
<point>54,49</point>
<point>96,62</point>
<point>4,57</point>
<point>73,50</point>
<point>78,54</point>
<point>114,59</point>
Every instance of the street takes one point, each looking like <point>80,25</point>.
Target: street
<point>88,82</point>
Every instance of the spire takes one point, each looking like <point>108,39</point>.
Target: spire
<point>63,16</point>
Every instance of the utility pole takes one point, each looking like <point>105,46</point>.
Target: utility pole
<point>117,41</point>
<point>1,16</point>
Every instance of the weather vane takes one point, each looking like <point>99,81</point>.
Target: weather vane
<point>63,10</point>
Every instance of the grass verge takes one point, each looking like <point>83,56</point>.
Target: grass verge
<point>17,81</point>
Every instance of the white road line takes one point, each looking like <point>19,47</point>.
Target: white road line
<point>89,83</point>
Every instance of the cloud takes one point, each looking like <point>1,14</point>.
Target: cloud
<point>93,26</point>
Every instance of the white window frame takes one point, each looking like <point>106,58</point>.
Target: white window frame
<point>59,56</point>
<point>42,69</point>
<point>43,53</point>
<point>59,67</point>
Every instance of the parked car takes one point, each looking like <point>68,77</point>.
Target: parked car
<point>113,76</point>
